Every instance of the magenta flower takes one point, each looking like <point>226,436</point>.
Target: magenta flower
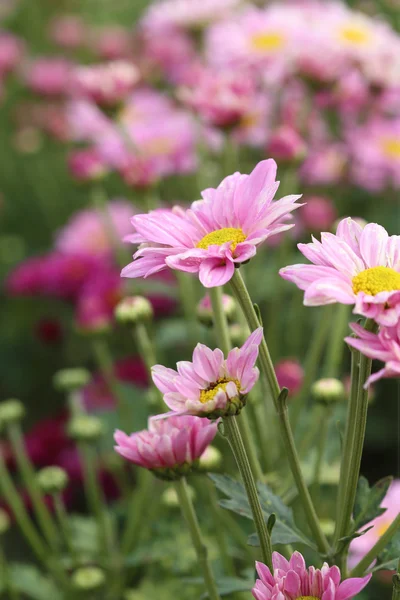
<point>291,580</point>
<point>211,386</point>
<point>169,447</point>
<point>384,346</point>
<point>356,266</point>
<point>217,233</point>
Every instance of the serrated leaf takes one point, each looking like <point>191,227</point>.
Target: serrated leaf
<point>368,500</point>
<point>28,580</point>
<point>284,531</point>
<point>390,565</point>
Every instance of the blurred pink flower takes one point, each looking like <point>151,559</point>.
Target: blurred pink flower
<point>11,49</point>
<point>112,43</point>
<point>94,232</point>
<point>49,76</point>
<point>169,447</point>
<point>318,213</point>
<point>363,544</point>
<point>86,165</point>
<point>186,13</point>
<point>290,374</point>
<point>285,144</point>
<point>325,163</point>
<point>106,84</point>
<point>384,346</point>
<point>211,385</point>
<point>97,300</point>
<point>218,232</point>
<point>355,266</point>
<point>291,579</point>
<point>67,31</point>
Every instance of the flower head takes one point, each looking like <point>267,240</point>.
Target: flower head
<point>211,386</point>
<point>291,580</point>
<point>186,13</point>
<point>106,84</point>
<point>356,266</point>
<point>49,76</point>
<point>169,447</point>
<point>384,346</point>
<point>216,233</point>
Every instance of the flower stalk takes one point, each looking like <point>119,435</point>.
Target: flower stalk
<point>396,584</point>
<point>376,549</point>
<point>190,517</point>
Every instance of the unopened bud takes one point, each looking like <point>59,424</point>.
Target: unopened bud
<point>11,411</point>
<point>52,480</point>
<point>211,459</point>
<point>5,521</point>
<point>328,391</point>
<point>85,428</point>
<point>68,380</point>
<point>88,578</point>
<point>205,312</point>
<point>238,335</point>
<point>134,309</point>
<point>170,498</point>
<point>327,526</point>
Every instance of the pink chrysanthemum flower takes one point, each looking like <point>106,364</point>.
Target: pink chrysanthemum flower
<point>384,346</point>
<point>356,266</point>
<point>291,580</point>
<point>170,447</point>
<point>106,84</point>
<point>211,386</point>
<point>216,233</point>
<point>186,13</point>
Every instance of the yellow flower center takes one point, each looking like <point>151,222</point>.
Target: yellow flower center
<point>355,35</point>
<point>383,528</point>
<point>391,147</point>
<point>308,598</point>
<point>266,42</point>
<point>375,280</point>
<point>221,236</point>
<point>207,395</point>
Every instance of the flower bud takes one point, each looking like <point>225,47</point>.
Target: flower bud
<point>52,480</point>
<point>11,411</point>
<point>238,335</point>
<point>68,380</point>
<point>211,459</point>
<point>327,526</point>
<point>5,521</point>
<point>134,309</point>
<point>285,144</point>
<point>328,391</point>
<point>205,312</point>
<point>85,428</point>
<point>290,374</point>
<point>88,578</point>
<point>170,498</point>
<point>318,213</point>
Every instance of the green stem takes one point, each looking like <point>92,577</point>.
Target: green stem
<point>367,560</point>
<point>5,577</point>
<point>396,584</point>
<point>187,294</point>
<point>147,352</point>
<point>62,517</point>
<point>29,478</point>
<point>138,507</point>
<point>13,499</point>
<point>232,433</point>
<point>189,514</point>
<point>250,447</point>
<point>267,368</point>
<point>336,344</point>
<point>322,441</point>
<point>220,532</point>
<point>106,365</point>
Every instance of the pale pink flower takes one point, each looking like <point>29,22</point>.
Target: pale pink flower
<point>291,580</point>
<point>49,76</point>
<point>93,232</point>
<point>325,163</point>
<point>170,447</point>
<point>286,144</point>
<point>67,31</point>
<point>106,84</point>
<point>318,213</point>
<point>112,43</point>
<point>211,386</point>
<point>86,165</point>
<point>363,544</point>
<point>186,14</point>
<point>384,346</point>
<point>356,266</point>
<point>216,233</point>
<point>11,49</point>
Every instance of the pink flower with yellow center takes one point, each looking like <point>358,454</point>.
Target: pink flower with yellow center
<point>210,385</point>
<point>384,346</point>
<point>216,233</point>
<point>356,266</point>
<point>170,447</point>
<point>291,580</point>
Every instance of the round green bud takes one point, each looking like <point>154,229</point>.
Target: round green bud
<point>134,309</point>
<point>328,391</point>
<point>85,428</point>
<point>52,480</point>
<point>169,497</point>
<point>88,578</point>
<point>5,521</point>
<point>11,411</point>
<point>237,334</point>
<point>327,526</point>
<point>211,459</point>
<point>68,380</point>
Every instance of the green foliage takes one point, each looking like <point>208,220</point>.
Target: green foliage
<point>389,558</point>
<point>368,500</point>
<point>28,580</point>
<point>284,530</point>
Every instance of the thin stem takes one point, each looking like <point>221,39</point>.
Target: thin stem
<point>187,294</point>
<point>105,363</point>
<point>137,508</point>
<point>376,549</point>
<point>29,478</point>
<point>232,433</point>
<point>396,584</point>
<point>322,440</point>
<point>336,344</point>
<point>220,531</point>
<point>62,517</point>
<point>267,368</point>
<point>220,322</point>
<point>189,514</point>
<point>248,440</point>
<point>6,579</point>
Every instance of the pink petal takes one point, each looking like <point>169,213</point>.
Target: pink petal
<point>351,587</point>
<point>373,242</point>
<point>280,562</point>
<point>328,291</point>
<point>213,272</point>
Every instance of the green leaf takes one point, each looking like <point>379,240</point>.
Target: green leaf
<point>84,534</point>
<point>28,580</point>
<point>389,558</point>
<point>284,530</point>
<point>368,500</point>
<point>229,585</point>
